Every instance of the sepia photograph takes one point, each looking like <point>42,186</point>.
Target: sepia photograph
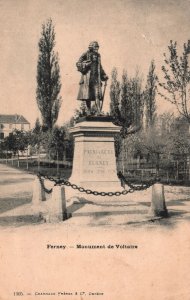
<point>95,149</point>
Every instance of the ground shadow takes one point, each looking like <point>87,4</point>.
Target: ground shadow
<point>77,205</point>
<point>18,221</point>
<point>119,204</point>
<point>147,204</point>
<point>170,222</point>
<point>177,202</point>
<point>177,213</point>
<point>13,181</point>
<point>11,203</point>
<point>74,207</point>
<point>100,214</point>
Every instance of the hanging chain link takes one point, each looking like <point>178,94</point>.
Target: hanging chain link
<point>42,184</point>
<point>63,181</point>
<point>141,187</point>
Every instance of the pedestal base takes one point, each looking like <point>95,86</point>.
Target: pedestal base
<point>94,163</point>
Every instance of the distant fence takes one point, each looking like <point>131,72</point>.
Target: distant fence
<point>179,173</point>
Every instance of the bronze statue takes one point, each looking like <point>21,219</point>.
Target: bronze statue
<point>89,65</point>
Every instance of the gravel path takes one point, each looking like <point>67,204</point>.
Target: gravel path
<point>131,210</point>
<point>157,269</point>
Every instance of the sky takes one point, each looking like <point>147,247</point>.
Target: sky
<point>130,33</point>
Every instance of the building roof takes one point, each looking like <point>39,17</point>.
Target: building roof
<point>13,119</point>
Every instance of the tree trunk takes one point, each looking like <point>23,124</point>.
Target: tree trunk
<point>57,163</point>
<point>64,155</point>
<point>123,156</point>
<point>138,162</point>
<point>167,176</point>
<point>49,157</point>
<point>177,169</point>
<point>39,159</point>
<point>18,161</point>
<point>188,168</point>
<point>157,164</point>
<point>27,158</point>
<point>142,174</point>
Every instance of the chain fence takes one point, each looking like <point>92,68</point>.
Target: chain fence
<point>142,186</point>
<point>41,179</point>
<point>64,182</point>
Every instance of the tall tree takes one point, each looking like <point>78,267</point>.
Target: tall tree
<point>126,108</point>
<point>136,96</point>
<point>114,94</point>
<point>17,141</point>
<point>150,97</point>
<point>56,142</point>
<point>48,77</point>
<point>37,126</point>
<point>126,102</point>
<point>176,85</point>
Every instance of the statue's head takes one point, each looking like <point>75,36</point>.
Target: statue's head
<point>93,46</point>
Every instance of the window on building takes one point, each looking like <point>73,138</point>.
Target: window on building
<point>22,126</point>
<point>1,126</point>
<point>10,126</point>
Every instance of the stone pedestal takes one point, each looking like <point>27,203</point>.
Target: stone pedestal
<point>38,192</point>
<point>56,205</point>
<point>158,204</point>
<point>94,163</point>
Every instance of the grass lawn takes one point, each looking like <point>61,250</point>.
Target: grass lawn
<point>45,168</point>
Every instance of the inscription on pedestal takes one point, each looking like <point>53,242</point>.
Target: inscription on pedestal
<point>98,162</point>
<point>94,164</point>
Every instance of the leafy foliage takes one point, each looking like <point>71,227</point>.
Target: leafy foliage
<point>17,141</point>
<point>48,77</point>
<point>176,85</point>
<point>162,143</point>
<point>150,97</point>
<point>56,142</point>
<point>126,105</point>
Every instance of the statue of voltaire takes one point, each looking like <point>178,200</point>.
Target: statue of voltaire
<point>89,65</point>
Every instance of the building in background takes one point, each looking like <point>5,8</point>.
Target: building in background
<point>9,123</point>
